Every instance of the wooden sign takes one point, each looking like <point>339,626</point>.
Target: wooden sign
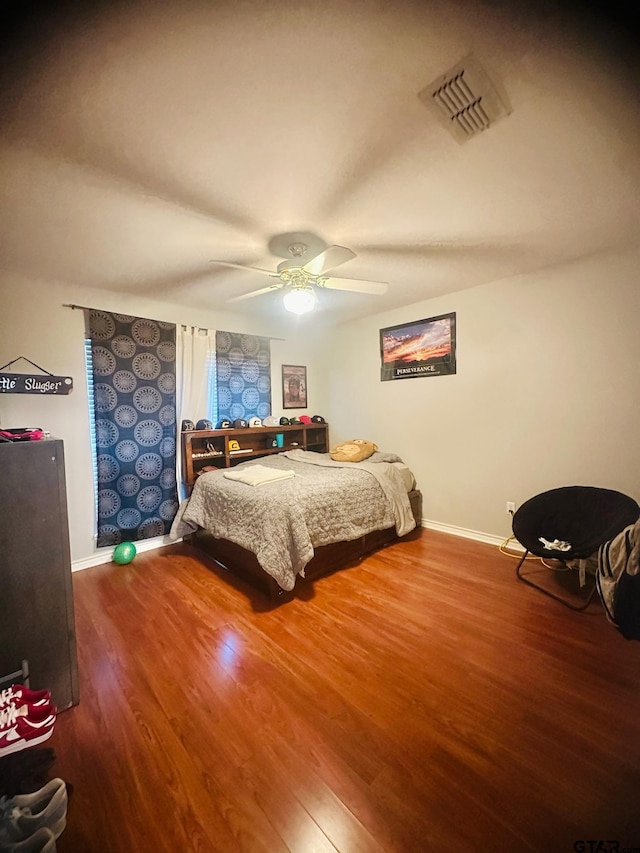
<point>26,383</point>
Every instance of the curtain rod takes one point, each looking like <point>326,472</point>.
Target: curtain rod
<point>200,328</point>
<point>71,305</point>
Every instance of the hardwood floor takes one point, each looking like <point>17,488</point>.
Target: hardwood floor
<point>423,700</point>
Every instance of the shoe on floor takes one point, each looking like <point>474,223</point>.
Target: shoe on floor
<point>22,815</point>
<point>42,841</point>
<point>36,714</point>
<point>23,733</point>
<point>18,695</point>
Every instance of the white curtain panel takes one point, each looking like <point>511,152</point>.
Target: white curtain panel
<point>195,356</point>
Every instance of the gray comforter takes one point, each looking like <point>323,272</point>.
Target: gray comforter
<point>283,521</point>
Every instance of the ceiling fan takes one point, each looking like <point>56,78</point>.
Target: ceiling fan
<point>300,276</point>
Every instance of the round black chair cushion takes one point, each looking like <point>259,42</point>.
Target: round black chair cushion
<point>583,516</point>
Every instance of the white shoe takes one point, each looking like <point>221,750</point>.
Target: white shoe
<point>42,841</point>
<point>22,815</point>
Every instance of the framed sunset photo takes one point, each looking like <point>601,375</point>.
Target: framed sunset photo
<point>420,348</point>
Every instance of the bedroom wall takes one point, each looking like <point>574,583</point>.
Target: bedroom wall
<point>545,395</point>
<point>34,324</point>
<point>546,392</point>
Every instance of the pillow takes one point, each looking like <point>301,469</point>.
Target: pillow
<point>381,456</point>
<point>355,450</point>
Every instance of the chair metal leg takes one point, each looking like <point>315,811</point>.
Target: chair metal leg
<point>548,592</point>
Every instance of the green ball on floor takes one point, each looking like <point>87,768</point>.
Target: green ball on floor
<point>124,553</point>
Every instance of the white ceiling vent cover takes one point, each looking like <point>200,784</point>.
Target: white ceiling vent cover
<point>464,99</point>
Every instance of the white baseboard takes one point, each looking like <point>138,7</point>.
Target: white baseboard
<point>163,541</point>
<point>106,553</point>
<point>477,535</point>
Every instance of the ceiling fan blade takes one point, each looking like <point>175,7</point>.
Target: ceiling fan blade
<point>434,249</point>
<point>244,267</point>
<point>331,258</point>
<point>255,293</point>
<point>357,285</point>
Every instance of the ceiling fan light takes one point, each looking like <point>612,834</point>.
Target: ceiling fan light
<point>299,300</point>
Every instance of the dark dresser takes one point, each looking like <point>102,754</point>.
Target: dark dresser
<point>36,596</point>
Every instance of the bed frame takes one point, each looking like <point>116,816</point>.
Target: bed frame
<point>243,564</point>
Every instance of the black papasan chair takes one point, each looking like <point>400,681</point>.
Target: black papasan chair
<point>569,524</point>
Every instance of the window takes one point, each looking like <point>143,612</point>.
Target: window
<point>88,363</point>
<point>243,376</point>
<point>131,374</point>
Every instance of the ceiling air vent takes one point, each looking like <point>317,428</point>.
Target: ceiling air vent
<point>465,100</point>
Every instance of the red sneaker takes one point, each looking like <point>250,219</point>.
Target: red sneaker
<point>35,714</point>
<point>18,695</point>
<point>25,726</point>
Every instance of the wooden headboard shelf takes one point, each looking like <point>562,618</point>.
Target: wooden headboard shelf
<point>210,447</point>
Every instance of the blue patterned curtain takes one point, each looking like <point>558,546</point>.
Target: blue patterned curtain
<point>243,376</point>
<point>134,379</point>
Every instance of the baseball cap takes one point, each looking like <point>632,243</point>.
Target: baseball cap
<point>284,421</point>
<point>318,419</point>
<point>225,423</point>
<point>255,422</point>
<point>270,420</point>
<point>240,423</point>
<point>305,419</point>
<point>188,425</point>
<point>204,423</point>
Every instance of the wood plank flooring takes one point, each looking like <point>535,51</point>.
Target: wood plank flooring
<point>423,700</point>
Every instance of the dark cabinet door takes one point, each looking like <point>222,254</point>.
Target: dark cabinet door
<point>36,596</point>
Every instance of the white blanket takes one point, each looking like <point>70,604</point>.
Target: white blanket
<point>257,475</point>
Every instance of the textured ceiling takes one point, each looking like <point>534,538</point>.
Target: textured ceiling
<point>139,140</point>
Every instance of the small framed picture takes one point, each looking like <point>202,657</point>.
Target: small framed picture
<point>294,386</point>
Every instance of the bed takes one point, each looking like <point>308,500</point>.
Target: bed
<point>308,515</point>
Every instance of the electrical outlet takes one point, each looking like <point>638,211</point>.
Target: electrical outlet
<point>511,507</point>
